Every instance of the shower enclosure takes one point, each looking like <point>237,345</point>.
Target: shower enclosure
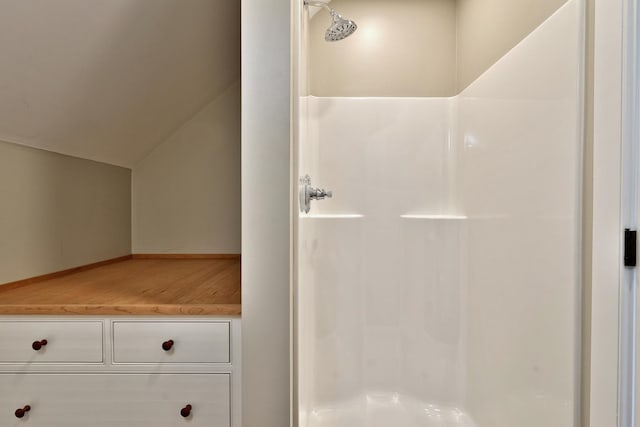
<point>440,284</point>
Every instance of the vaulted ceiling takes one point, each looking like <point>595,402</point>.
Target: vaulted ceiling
<point>110,80</point>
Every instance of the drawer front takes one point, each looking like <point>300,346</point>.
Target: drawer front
<point>66,342</point>
<point>189,342</point>
<point>115,400</point>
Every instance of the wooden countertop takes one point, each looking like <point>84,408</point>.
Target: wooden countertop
<point>133,287</point>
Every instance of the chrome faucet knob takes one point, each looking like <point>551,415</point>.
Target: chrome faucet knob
<point>319,194</point>
<point>308,193</point>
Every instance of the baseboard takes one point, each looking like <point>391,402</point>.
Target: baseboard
<point>186,256</point>
<point>61,273</point>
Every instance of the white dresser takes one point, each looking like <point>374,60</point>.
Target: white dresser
<point>89,371</point>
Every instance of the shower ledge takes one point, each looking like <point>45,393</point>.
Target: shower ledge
<point>433,217</point>
<point>332,216</point>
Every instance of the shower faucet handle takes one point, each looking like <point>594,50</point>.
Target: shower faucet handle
<point>308,193</point>
<point>320,194</point>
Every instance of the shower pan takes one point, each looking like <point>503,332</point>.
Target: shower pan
<point>439,286</point>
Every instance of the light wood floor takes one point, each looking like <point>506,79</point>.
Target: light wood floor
<point>136,286</point>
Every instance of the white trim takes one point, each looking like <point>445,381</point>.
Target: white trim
<point>607,183</point>
<point>629,162</point>
<point>266,242</point>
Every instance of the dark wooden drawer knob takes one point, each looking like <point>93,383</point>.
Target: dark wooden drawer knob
<point>37,345</point>
<point>167,345</point>
<point>186,411</point>
<point>20,412</point>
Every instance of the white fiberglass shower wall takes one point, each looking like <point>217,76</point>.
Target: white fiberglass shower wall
<point>439,286</point>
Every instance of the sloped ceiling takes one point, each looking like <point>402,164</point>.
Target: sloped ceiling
<point>109,80</point>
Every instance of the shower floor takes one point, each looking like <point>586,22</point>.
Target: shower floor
<point>387,409</point>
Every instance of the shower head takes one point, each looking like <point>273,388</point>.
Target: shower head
<point>340,28</point>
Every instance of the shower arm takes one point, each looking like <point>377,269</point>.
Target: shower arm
<point>317,3</point>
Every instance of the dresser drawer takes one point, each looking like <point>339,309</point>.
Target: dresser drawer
<point>171,342</point>
<point>58,342</point>
<point>115,400</point>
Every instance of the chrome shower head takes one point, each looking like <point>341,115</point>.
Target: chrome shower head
<point>340,28</point>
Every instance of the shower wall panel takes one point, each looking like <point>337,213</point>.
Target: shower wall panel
<point>518,164</point>
<point>379,276</point>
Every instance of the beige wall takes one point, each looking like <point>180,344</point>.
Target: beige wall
<point>487,29</point>
<point>186,193</point>
<point>59,212</point>
<point>418,47</point>
<point>110,80</point>
<point>401,48</point>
